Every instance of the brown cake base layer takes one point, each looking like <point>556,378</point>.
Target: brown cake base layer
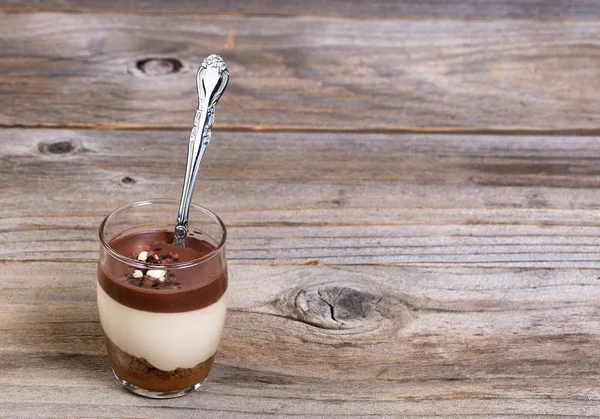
<point>139,372</point>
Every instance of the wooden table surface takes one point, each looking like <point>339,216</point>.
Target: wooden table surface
<point>412,191</point>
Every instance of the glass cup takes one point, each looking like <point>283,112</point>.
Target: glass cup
<point>161,306</point>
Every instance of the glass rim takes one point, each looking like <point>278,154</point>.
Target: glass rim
<point>139,264</point>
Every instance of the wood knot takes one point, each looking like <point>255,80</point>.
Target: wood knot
<point>341,307</point>
<point>61,147</point>
<point>159,66</point>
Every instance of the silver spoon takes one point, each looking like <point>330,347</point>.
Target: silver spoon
<point>211,81</point>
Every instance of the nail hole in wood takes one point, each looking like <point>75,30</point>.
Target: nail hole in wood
<point>159,66</point>
<point>61,147</point>
<point>126,180</point>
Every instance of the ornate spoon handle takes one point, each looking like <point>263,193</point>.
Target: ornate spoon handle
<point>211,81</point>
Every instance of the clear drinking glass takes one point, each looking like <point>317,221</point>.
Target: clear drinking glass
<point>161,306</point>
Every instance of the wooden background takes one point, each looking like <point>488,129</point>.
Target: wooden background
<point>411,188</point>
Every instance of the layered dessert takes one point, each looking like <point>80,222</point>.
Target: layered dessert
<point>161,308</point>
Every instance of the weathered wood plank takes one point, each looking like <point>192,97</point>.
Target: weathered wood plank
<point>83,70</point>
<point>107,401</point>
<point>422,245</point>
<point>424,342</point>
<point>328,198</point>
<point>536,9</point>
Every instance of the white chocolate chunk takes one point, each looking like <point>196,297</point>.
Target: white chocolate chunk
<point>156,274</point>
<point>137,274</point>
<point>143,256</point>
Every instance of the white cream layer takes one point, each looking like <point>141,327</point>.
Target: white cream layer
<point>166,340</point>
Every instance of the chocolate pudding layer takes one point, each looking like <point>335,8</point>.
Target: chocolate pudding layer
<point>161,277</point>
<point>139,372</point>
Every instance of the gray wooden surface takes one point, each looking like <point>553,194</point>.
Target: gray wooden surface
<point>462,9</point>
<point>374,272</point>
<point>302,73</point>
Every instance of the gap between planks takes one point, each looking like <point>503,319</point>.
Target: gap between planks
<point>319,263</point>
<point>577,132</point>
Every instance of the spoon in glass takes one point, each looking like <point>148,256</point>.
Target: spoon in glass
<point>211,81</point>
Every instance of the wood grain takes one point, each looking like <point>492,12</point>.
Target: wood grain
<point>422,200</point>
<point>386,9</point>
<point>439,342</point>
<point>301,73</point>
<point>377,269</point>
<point>372,275</point>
